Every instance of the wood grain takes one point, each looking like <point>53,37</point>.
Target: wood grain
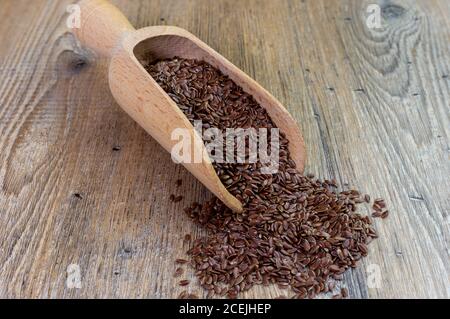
<point>373,105</point>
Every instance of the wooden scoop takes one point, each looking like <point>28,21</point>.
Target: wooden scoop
<point>108,32</point>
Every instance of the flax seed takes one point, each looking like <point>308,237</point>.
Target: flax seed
<point>184,282</point>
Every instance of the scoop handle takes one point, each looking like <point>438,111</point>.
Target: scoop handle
<point>101,26</point>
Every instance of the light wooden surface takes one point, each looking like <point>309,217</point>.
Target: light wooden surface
<point>373,106</point>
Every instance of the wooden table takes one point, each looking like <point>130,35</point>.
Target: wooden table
<point>82,184</point>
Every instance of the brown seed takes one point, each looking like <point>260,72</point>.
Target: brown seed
<point>181,261</point>
<point>335,268</point>
<point>178,199</point>
<point>376,214</point>
<point>184,282</point>
<point>380,202</point>
<point>344,292</point>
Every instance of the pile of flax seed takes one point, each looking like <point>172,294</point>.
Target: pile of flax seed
<point>296,231</point>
